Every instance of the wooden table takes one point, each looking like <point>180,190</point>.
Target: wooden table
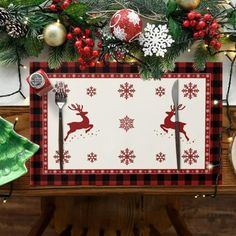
<point>22,187</point>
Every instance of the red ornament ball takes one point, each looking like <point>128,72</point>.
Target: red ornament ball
<point>126,25</point>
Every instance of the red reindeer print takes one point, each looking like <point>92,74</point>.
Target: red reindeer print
<point>84,124</point>
<point>169,124</point>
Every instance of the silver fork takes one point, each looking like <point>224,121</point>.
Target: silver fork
<point>60,100</point>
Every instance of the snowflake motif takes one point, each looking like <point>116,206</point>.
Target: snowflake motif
<point>126,90</point>
<point>190,90</point>
<point>126,123</point>
<point>92,157</point>
<point>61,87</point>
<point>133,17</point>
<point>66,156</point>
<point>160,91</point>
<point>91,91</point>
<point>155,40</point>
<point>160,157</point>
<point>119,33</point>
<point>190,156</point>
<point>127,156</point>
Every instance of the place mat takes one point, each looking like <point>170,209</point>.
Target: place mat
<point>118,129</point>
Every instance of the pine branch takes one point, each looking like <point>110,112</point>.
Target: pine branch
<point>56,56</point>
<point>33,46</point>
<point>70,52</point>
<point>201,57</point>
<point>214,6</point>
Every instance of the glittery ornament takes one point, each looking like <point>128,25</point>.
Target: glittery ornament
<point>126,25</point>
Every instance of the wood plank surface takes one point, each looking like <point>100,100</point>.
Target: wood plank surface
<point>22,187</point>
<point>203,216</point>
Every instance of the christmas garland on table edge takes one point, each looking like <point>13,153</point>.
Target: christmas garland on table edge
<point>151,33</point>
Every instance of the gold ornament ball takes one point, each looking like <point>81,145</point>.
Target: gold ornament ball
<point>54,34</point>
<point>188,4</point>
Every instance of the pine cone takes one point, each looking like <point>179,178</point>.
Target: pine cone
<point>15,29</point>
<point>4,17</point>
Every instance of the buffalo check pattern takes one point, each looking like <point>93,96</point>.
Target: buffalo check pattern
<point>38,178</point>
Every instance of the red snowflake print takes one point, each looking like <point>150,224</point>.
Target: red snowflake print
<point>160,157</point>
<point>160,91</point>
<point>66,156</point>
<point>126,123</point>
<point>61,87</point>
<point>126,90</point>
<point>190,90</point>
<point>127,156</point>
<point>91,91</point>
<point>190,156</point>
<point>92,157</point>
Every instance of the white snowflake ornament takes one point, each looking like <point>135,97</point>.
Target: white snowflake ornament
<point>155,40</point>
<point>126,25</point>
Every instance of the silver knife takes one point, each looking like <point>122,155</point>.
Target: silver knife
<point>175,98</point>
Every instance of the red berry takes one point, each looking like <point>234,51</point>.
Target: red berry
<point>99,44</point>
<point>198,15</point>
<point>69,36</point>
<point>201,33</point>
<point>95,53</point>
<point>191,15</point>
<point>78,43</point>
<point>100,63</point>
<point>77,30</point>
<point>81,50</point>
<point>186,23</point>
<point>193,23</point>
<point>212,42</point>
<point>87,50</point>
<point>207,17</point>
<point>91,44</point>
<point>214,25</point>
<point>217,45</point>
<point>87,32</point>
<point>81,60</point>
<point>218,36</point>
<point>212,32</point>
<point>201,24</point>
<point>196,35</point>
<point>65,5</point>
<point>107,56</point>
<point>53,7</point>
<point>92,64</point>
<point>88,41</point>
<point>82,67</point>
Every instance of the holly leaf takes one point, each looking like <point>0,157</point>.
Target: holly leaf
<point>171,7</point>
<point>174,28</point>
<point>76,11</point>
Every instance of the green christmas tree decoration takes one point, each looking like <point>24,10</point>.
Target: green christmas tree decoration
<point>15,151</point>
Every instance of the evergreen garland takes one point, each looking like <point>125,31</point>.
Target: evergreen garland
<point>35,15</point>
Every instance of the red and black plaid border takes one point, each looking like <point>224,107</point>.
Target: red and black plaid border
<point>37,178</point>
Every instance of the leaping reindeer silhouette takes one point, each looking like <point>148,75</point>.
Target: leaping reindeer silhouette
<point>169,124</point>
<point>84,124</point>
